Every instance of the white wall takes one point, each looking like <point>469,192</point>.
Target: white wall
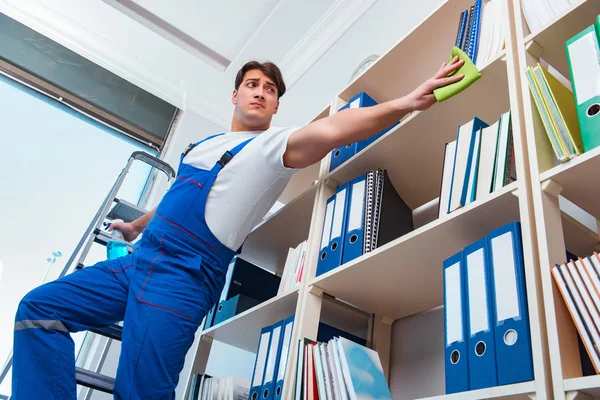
<point>380,28</point>
<point>189,128</point>
<point>415,356</point>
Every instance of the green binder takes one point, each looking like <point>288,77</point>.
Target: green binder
<point>583,55</point>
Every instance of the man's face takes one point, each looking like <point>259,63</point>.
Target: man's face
<point>256,99</point>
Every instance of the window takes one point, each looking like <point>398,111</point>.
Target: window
<point>56,167</point>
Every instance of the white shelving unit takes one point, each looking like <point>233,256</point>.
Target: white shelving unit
<point>402,279</point>
<point>575,180</point>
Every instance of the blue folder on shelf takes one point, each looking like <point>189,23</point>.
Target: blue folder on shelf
<point>270,377</point>
<point>260,362</point>
<point>455,323</point>
<point>230,308</point>
<point>283,359</point>
<point>481,347</point>
<point>325,236</point>
<point>333,258</point>
<point>210,317</point>
<point>343,153</point>
<point>355,221</point>
<point>509,298</point>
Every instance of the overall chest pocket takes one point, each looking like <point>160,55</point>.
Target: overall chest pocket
<point>182,196</point>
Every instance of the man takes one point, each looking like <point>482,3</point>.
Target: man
<point>163,290</point>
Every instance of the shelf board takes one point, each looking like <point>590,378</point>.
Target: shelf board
<point>517,391</point>
<point>578,178</point>
<point>404,276</point>
<point>269,242</point>
<point>589,385</point>
<point>243,330</point>
<point>413,152</point>
<point>552,37</point>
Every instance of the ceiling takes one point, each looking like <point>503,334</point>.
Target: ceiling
<point>188,51</point>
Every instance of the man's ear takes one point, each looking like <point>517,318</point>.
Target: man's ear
<point>276,108</point>
<point>234,97</point>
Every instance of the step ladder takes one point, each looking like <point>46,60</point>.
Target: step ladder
<point>112,208</point>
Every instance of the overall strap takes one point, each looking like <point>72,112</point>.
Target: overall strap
<point>192,145</point>
<point>229,154</point>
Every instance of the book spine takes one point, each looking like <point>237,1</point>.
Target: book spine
<point>468,29</point>
<point>462,23</point>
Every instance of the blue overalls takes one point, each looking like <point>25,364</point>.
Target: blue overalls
<point>161,292</point>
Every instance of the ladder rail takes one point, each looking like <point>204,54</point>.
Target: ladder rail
<point>87,239</point>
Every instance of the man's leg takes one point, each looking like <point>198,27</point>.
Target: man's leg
<point>167,301</point>
<point>44,359</point>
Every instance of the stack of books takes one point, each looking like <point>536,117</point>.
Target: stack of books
<point>480,161</point>
<point>206,387</point>
<point>556,106</point>
<point>578,281</point>
<point>293,270</point>
<point>538,13</point>
<point>482,30</point>
<point>339,369</point>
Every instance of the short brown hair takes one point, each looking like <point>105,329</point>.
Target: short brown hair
<point>268,68</point>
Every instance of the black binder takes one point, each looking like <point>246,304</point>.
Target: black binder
<point>392,218</point>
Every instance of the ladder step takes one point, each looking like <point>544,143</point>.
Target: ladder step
<point>112,331</point>
<point>94,380</point>
<point>126,211</point>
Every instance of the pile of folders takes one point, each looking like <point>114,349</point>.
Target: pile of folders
<point>246,285</point>
<point>362,215</point>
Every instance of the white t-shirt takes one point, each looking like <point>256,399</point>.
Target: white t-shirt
<point>248,186</point>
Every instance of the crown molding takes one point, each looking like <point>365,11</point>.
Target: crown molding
<point>330,27</point>
<point>108,54</point>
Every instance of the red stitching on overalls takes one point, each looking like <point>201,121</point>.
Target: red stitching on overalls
<point>121,270</point>
<point>188,232</point>
<point>146,281</point>
<point>164,308</point>
<point>190,180</point>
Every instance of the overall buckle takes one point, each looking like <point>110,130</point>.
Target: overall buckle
<point>225,158</point>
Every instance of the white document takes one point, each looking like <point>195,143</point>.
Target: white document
<point>261,359</point>
<point>585,63</point>
<point>338,214</point>
<point>453,301</point>
<point>327,225</point>
<point>477,287</point>
<point>357,205</point>
<point>505,277</point>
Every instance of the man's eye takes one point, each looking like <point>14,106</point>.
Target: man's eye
<point>252,84</point>
<point>270,89</point>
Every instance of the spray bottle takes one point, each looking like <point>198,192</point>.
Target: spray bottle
<point>116,246</point>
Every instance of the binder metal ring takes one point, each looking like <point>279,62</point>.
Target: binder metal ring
<point>455,357</point>
<point>510,337</point>
<point>480,348</point>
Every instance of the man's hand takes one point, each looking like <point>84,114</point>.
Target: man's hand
<point>130,230</point>
<point>422,97</point>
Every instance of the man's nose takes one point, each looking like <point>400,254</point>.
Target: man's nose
<point>260,93</point>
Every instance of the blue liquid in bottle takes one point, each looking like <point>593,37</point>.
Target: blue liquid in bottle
<point>116,247</point>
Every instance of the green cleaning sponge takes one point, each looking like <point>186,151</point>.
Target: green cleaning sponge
<point>471,75</point>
